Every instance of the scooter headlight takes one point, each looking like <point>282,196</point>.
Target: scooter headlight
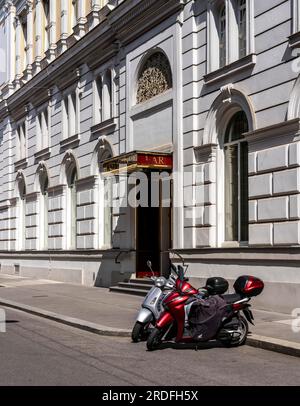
<point>160,282</point>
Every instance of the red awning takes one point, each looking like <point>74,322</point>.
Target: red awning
<point>138,160</point>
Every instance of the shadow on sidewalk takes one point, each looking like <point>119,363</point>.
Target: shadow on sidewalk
<point>191,346</point>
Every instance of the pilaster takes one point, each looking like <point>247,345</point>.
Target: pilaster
<point>18,52</point>
<point>30,40</point>
<point>62,43</point>
<point>10,41</point>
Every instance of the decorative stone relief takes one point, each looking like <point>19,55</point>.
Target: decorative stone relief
<point>155,77</point>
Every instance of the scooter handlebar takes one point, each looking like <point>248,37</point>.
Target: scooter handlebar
<point>173,267</point>
<point>180,272</point>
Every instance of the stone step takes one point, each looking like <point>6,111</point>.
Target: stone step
<point>129,285</point>
<point>143,281</point>
<point>137,287</point>
<point>128,291</point>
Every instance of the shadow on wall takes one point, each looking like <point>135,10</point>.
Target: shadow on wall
<point>110,272</point>
<point>118,264</point>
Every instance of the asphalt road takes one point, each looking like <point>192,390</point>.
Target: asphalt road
<point>36,351</point>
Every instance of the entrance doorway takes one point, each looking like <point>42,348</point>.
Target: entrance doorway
<point>153,228</point>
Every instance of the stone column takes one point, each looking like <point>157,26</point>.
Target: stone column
<point>39,35</point>
<point>79,29</point>
<point>52,45</point>
<point>30,40</point>
<point>18,52</point>
<point>93,17</point>
<point>62,43</point>
<point>10,41</point>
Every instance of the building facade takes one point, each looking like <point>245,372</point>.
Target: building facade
<point>206,91</point>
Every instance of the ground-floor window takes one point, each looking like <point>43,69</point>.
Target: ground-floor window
<point>72,210</point>
<point>21,218</point>
<point>44,212</point>
<point>107,220</point>
<point>236,179</point>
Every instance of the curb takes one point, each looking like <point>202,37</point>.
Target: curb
<point>274,344</point>
<point>70,321</point>
<point>254,340</point>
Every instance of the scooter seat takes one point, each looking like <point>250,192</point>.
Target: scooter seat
<point>232,298</point>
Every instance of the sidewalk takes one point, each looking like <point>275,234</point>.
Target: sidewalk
<point>105,313</point>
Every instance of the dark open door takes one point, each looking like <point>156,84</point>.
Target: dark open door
<point>153,232</point>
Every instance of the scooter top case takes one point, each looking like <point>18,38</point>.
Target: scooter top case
<point>216,285</point>
<point>248,285</point>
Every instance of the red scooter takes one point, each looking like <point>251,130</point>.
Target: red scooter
<point>173,322</point>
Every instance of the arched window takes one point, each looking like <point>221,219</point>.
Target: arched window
<point>242,22</point>
<point>222,36</point>
<point>236,179</point>
<point>103,97</point>
<point>21,222</point>
<point>230,34</point>
<point>44,183</point>
<point>21,141</point>
<point>71,209</point>
<point>154,78</point>
<point>107,96</point>
<point>98,103</point>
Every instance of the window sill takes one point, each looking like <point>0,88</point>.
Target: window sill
<point>105,127</point>
<point>42,154</point>
<point>234,244</point>
<point>70,142</point>
<point>154,103</point>
<point>235,67</point>
<point>294,40</point>
<point>21,164</point>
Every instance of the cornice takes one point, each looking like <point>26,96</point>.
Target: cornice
<point>32,196</point>
<point>126,12</point>
<point>62,66</point>
<point>290,127</point>
<point>133,17</point>
<point>122,24</point>
<point>5,204</point>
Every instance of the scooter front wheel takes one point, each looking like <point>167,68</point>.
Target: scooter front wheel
<point>155,339</point>
<point>138,331</point>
